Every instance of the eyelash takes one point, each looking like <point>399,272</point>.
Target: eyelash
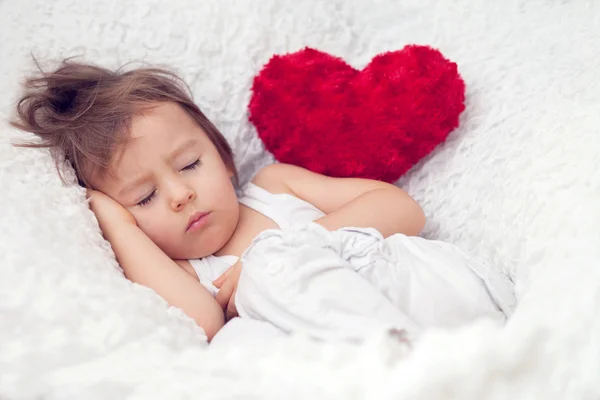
<point>193,165</point>
<point>149,198</point>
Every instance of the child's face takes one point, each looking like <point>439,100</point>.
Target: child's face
<point>169,172</point>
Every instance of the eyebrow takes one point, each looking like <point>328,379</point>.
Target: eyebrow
<point>146,177</point>
<point>181,148</point>
<point>134,183</point>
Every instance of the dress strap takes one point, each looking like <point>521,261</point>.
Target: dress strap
<point>265,203</point>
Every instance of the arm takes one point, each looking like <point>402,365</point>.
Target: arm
<point>348,201</point>
<point>144,263</point>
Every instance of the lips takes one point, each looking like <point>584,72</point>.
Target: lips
<point>197,221</point>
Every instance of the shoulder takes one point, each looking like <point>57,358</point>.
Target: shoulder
<point>275,177</point>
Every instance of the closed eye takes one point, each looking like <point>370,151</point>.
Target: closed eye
<point>147,199</point>
<point>193,165</point>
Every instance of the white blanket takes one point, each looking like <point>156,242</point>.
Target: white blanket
<point>352,283</point>
<point>518,184</point>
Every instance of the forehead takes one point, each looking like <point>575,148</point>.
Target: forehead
<point>161,121</point>
<point>153,135</point>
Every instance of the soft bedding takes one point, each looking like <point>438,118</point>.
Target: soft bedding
<point>516,184</point>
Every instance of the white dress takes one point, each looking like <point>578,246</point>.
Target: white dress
<point>352,282</point>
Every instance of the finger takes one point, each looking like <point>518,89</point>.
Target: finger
<point>224,294</point>
<point>231,308</point>
<point>221,279</point>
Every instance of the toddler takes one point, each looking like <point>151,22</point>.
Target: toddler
<point>296,249</point>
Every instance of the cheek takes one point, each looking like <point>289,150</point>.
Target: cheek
<point>214,186</point>
<point>157,226</point>
<point>224,197</point>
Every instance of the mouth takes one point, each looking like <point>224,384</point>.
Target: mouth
<point>197,221</point>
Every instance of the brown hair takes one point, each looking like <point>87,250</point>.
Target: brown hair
<point>82,112</point>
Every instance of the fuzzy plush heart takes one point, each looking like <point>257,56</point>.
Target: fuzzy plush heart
<point>314,110</point>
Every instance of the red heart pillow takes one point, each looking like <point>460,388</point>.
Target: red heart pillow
<point>313,110</point>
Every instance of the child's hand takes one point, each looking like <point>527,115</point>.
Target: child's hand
<point>108,212</point>
<point>227,284</point>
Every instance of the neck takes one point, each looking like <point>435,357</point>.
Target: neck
<point>229,248</point>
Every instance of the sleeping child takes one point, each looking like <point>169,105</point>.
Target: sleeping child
<point>334,258</point>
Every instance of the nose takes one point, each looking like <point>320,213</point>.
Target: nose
<point>181,195</point>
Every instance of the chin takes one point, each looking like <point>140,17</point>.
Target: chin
<point>215,244</point>
<point>194,251</point>
<point>176,252</point>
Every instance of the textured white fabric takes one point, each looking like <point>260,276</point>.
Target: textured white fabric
<point>517,184</point>
<point>351,283</point>
<point>245,332</point>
